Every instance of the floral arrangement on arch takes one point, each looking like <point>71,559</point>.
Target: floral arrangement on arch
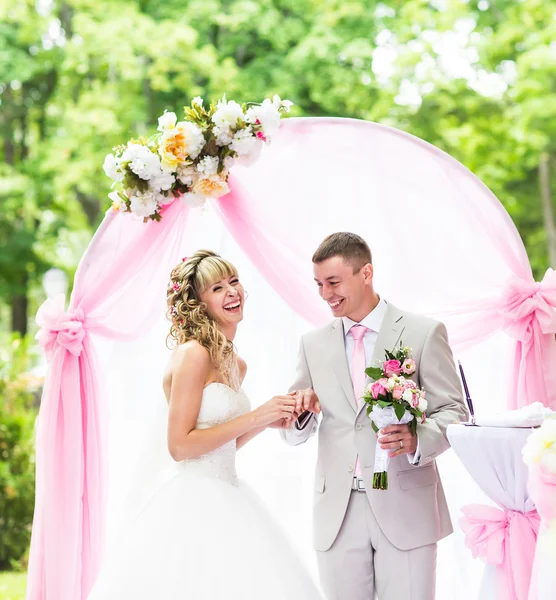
<point>190,159</point>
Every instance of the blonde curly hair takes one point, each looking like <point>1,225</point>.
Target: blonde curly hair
<point>188,314</point>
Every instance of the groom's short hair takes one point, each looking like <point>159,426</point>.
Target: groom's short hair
<point>351,247</point>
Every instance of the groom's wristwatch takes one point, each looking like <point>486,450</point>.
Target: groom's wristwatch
<point>302,420</point>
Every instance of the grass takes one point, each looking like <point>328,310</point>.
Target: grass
<point>12,585</point>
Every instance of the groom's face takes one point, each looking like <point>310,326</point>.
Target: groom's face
<point>344,290</point>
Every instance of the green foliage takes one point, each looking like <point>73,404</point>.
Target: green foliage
<point>19,391</point>
<point>77,77</point>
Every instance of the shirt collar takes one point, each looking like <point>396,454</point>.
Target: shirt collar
<point>372,321</point>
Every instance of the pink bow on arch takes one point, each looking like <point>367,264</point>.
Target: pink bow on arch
<point>58,328</point>
<point>506,538</point>
<point>528,313</point>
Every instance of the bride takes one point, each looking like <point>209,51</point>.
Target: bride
<point>202,534</point>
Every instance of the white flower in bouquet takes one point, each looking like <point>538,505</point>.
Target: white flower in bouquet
<point>118,204</point>
<point>163,199</point>
<point>423,404</point>
<point>167,121</point>
<point>541,444</point>
<point>223,136</point>
<point>267,115</point>
<point>227,115</point>
<point>208,165</point>
<point>193,200</point>
<point>186,174</point>
<point>229,162</point>
<point>112,168</point>
<point>144,163</point>
<point>143,204</point>
<point>184,141</point>
<point>212,186</point>
<point>162,181</point>
<point>244,141</point>
<point>197,101</point>
<point>408,396</point>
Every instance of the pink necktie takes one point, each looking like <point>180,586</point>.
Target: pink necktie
<point>358,366</point>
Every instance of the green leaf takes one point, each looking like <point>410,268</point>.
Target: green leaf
<point>375,428</point>
<point>399,409</point>
<point>374,373</point>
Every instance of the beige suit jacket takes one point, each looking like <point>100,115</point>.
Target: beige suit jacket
<point>413,511</point>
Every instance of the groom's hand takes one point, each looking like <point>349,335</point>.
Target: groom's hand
<point>306,400</point>
<point>398,439</point>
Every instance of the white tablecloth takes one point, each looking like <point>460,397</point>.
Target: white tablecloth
<point>492,456</point>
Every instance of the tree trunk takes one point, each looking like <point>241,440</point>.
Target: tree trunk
<point>546,197</point>
<point>19,306</point>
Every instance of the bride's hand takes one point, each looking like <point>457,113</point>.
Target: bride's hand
<point>279,408</point>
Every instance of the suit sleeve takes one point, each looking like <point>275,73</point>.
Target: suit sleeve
<point>439,378</point>
<point>296,435</point>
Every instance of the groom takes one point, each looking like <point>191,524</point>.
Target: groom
<point>372,541</point>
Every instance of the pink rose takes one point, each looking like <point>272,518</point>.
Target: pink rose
<point>397,392</point>
<point>415,401</point>
<point>409,366</point>
<point>392,367</point>
<point>377,388</point>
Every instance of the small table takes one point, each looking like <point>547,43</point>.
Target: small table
<point>492,456</point>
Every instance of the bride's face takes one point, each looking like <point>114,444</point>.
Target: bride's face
<point>224,300</point>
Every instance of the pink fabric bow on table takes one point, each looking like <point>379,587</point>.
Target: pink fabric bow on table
<point>528,313</point>
<point>507,539</point>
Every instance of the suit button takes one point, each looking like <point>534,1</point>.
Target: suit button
<point>359,427</point>
<point>350,468</point>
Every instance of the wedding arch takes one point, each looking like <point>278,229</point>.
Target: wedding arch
<point>442,245</point>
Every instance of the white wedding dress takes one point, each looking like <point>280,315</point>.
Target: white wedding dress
<point>204,535</point>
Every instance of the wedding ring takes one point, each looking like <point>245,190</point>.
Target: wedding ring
<point>401,444</point>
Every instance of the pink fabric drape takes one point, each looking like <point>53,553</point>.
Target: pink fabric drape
<point>128,256</point>
<point>504,538</point>
<point>277,257</point>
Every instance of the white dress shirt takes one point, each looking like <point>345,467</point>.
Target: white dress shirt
<point>373,322</point>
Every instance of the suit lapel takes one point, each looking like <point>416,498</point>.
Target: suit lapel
<point>339,360</point>
<point>389,336</point>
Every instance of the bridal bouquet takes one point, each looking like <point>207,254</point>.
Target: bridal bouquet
<point>190,159</point>
<point>393,399</point>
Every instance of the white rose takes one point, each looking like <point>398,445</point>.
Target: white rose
<point>423,404</point>
<point>391,383</point>
<point>167,121</point>
<point>187,174</point>
<point>212,186</point>
<point>407,396</point>
<point>112,168</point>
<point>143,204</point>
<point>208,165</point>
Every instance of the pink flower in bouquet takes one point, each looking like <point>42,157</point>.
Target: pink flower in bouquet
<point>377,388</point>
<point>397,392</point>
<point>392,367</point>
<point>409,384</point>
<point>415,400</point>
<point>409,366</point>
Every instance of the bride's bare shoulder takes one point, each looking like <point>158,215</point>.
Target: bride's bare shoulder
<point>190,352</point>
